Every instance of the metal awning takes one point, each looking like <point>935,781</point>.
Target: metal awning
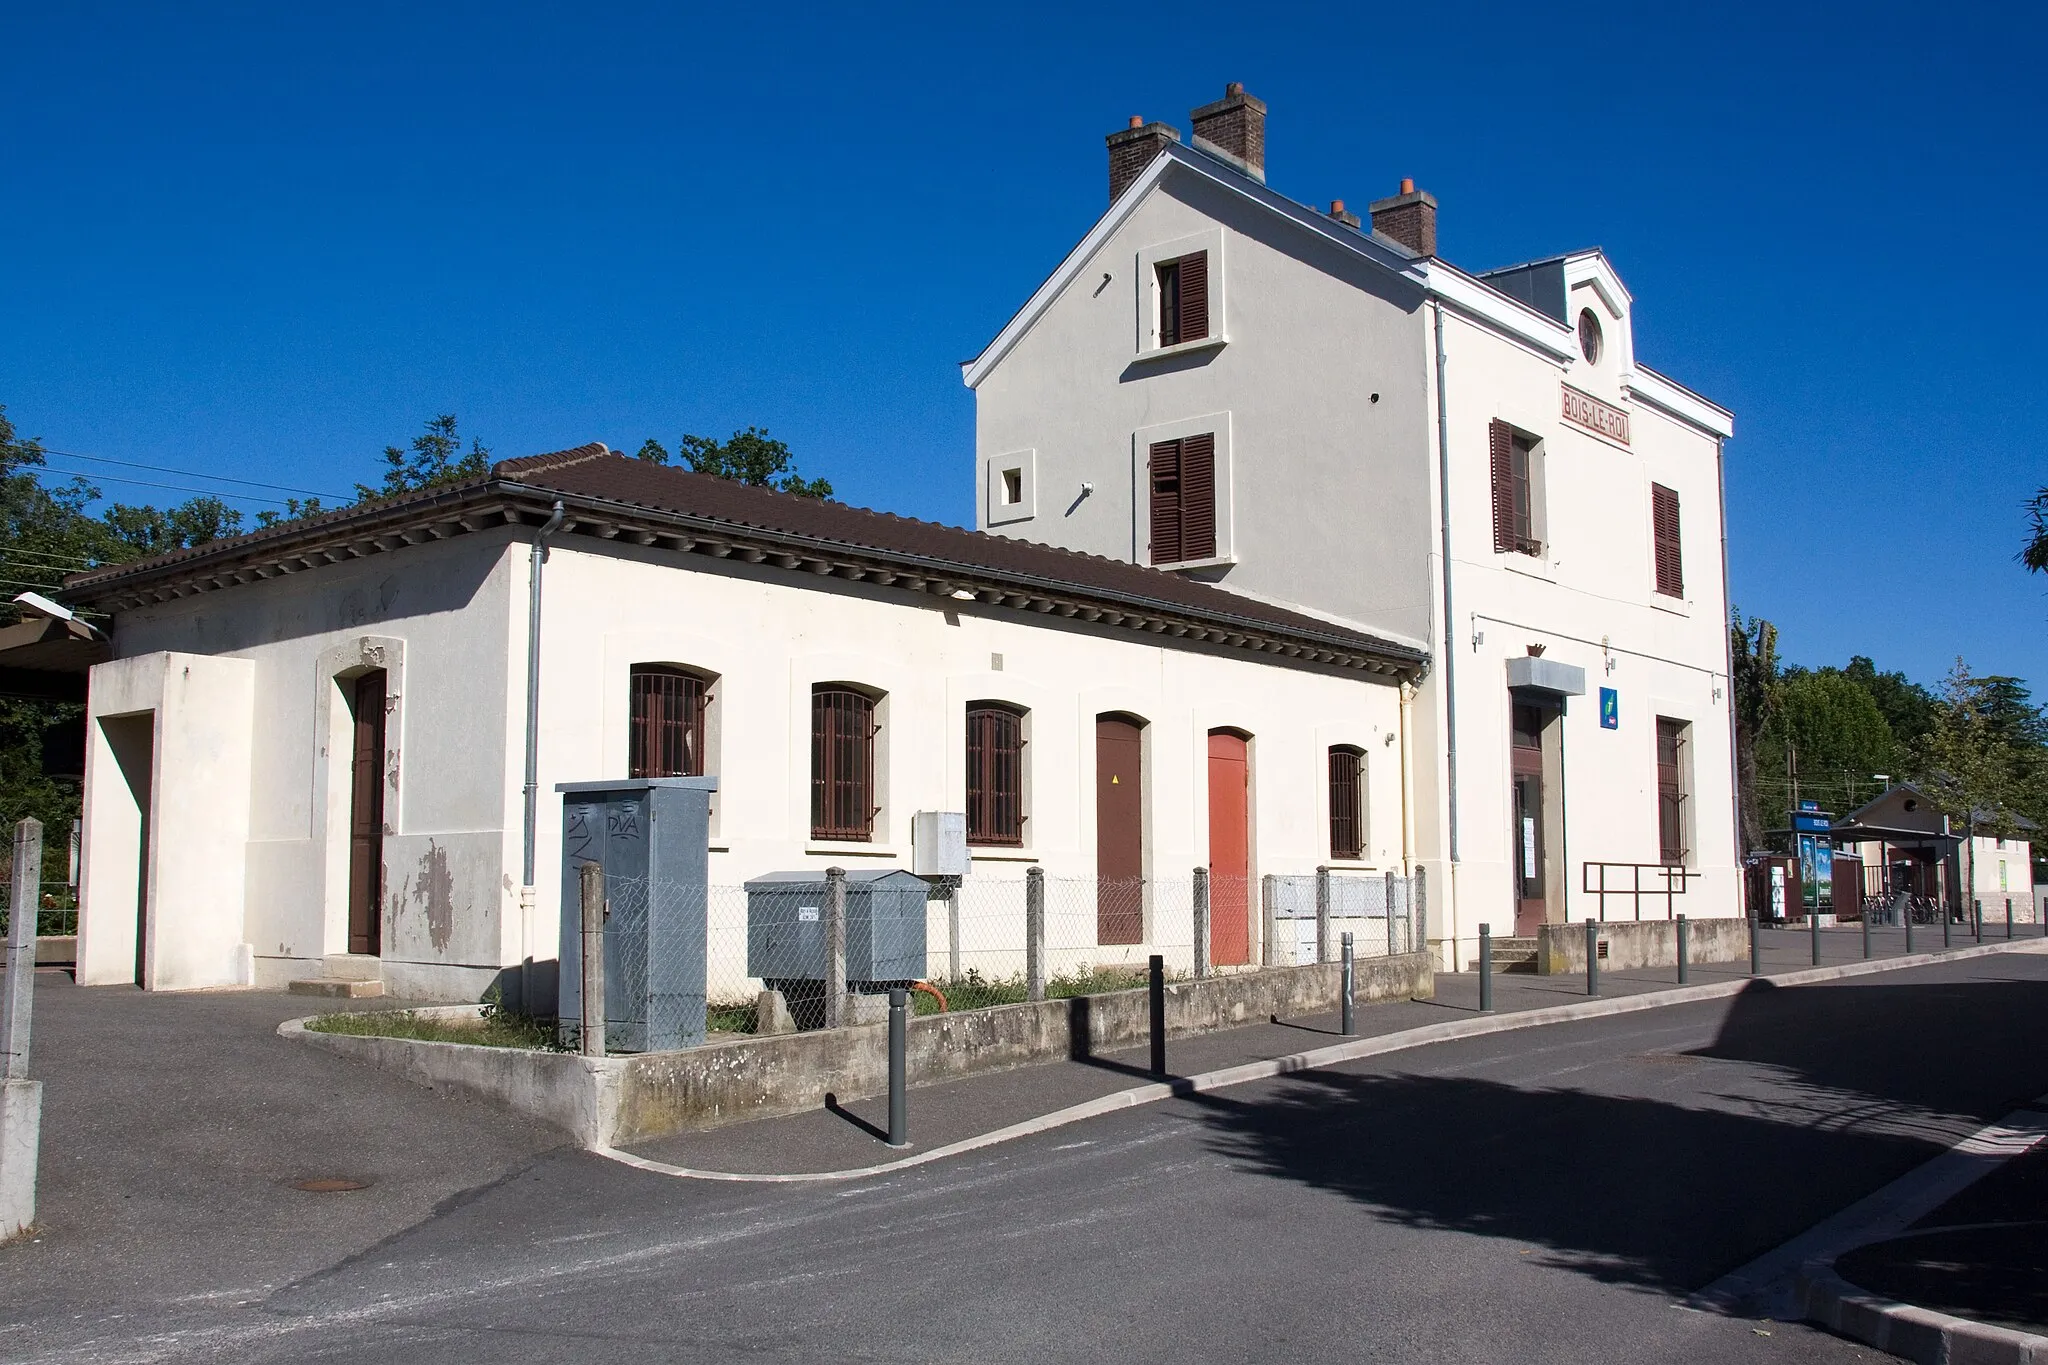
<point>47,660</point>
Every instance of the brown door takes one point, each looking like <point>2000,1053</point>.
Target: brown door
<point>1230,866</point>
<point>1526,852</point>
<point>366,819</point>
<point>1119,831</point>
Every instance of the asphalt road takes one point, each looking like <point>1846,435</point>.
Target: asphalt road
<point>1534,1196</point>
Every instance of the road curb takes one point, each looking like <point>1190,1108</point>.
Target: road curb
<point>1904,1329</point>
<point>1473,1026</point>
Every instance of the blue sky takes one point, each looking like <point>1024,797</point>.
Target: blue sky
<point>265,242</point>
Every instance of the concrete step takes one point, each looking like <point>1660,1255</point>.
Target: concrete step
<point>353,967</point>
<point>337,990</point>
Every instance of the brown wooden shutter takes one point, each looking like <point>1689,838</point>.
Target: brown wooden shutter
<point>1664,529</point>
<point>1194,297</point>
<point>1166,502</point>
<point>1501,445</point>
<point>1198,497</point>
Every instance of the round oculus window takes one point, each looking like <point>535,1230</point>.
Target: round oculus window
<point>1589,336</point>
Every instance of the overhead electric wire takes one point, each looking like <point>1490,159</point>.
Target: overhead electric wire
<point>188,473</point>
<point>220,493</point>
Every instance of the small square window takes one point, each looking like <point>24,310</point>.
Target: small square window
<point>1013,487</point>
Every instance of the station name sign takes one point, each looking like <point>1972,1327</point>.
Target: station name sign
<point>1594,415</point>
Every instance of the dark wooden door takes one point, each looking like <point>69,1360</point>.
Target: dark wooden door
<point>1119,831</point>
<point>366,819</point>
<point>1230,863</point>
<point>1526,851</point>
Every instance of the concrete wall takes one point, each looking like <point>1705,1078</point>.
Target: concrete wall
<point>1561,948</point>
<point>166,807</point>
<point>1329,498</point>
<point>619,1100</point>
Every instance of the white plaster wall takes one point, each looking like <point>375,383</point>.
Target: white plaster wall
<point>189,853</point>
<point>2018,857</point>
<point>1329,496</point>
<point>767,640</point>
<point>438,618</point>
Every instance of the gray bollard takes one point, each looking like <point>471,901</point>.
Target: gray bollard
<point>1977,918</point>
<point>591,887</point>
<point>1486,969</point>
<point>1756,945</point>
<point>2008,918</point>
<point>1592,957</point>
<point>1349,1027</point>
<point>1866,933</point>
<point>1813,931</point>
<point>899,1102</point>
<point>1682,954</point>
<point>1155,993</point>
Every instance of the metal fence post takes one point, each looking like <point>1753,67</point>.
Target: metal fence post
<point>1155,1000</point>
<point>591,889</point>
<point>1813,931</point>
<point>953,929</point>
<point>1348,1025</point>
<point>1392,882</point>
<point>21,1099</point>
<point>835,947</point>
<point>1201,949</point>
<point>899,1102</point>
<point>1034,934</point>
<point>1269,922</point>
<point>1679,920</point>
<point>1322,914</point>
<point>1418,914</point>
<point>1592,957</point>
<point>1486,969</point>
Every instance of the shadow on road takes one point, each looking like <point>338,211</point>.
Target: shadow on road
<point>1833,1093</point>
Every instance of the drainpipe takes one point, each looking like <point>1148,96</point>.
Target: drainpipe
<point>1728,673</point>
<point>533,577</point>
<point>1450,649</point>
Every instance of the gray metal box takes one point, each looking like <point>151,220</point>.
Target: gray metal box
<point>885,921</point>
<point>652,837</point>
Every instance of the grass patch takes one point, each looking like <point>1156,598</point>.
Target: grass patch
<point>977,992</point>
<point>497,1029</point>
<point>729,1016</point>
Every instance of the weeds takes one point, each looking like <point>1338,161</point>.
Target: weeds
<point>495,1028</point>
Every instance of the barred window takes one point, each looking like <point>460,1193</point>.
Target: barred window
<point>995,773</point>
<point>1347,802</point>
<point>666,737</point>
<point>1672,738</point>
<point>842,763</point>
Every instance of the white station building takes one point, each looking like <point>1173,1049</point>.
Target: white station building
<point>1312,411</point>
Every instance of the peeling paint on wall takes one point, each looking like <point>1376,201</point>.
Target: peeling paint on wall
<point>434,888</point>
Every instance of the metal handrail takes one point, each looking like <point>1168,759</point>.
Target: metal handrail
<point>1674,878</point>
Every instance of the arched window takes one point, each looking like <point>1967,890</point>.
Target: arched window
<point>666,736</point>
<point>995,773</point>
<point>1347,802</point>
<point>842,763</point>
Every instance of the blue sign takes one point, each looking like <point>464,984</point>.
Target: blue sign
<point>1610,709</point>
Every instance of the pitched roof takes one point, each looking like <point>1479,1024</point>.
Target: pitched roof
<point>607,495</point>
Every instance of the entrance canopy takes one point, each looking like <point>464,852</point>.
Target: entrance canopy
<point>47,659</point>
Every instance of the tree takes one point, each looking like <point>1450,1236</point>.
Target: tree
<point>1753,689</point>
<point>1834,733</point>
<point>435,458</point>
<point>1907,707</point>
<point>751,456</point>
<point>1979,764</point>
<point>2034,554</point>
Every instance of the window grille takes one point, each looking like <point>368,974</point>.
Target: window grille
<point>842,764</point>
<point>995,774</point>
<point>1672,737</point>
<point>1347,802</point>
<point>666,737</point>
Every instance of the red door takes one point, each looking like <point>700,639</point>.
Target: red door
<point>1230,869</point>
<point>366,819</point>
<point>1119,831</point>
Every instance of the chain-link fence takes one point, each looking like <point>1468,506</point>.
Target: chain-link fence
<point>57,908</point>
<point>989,940</point>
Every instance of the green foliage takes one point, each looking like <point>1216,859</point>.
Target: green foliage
<point>751,456</point>
<point>496,1029</point>
<point>2034,554</point>
<point>1834,726</point>
<point>1753,692</point>
<point>1907,707</point>
<point>1984,761</point>
<point>435,458</point>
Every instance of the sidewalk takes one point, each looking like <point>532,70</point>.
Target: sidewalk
<point>848,1137</point>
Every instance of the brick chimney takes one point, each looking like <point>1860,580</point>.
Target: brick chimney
<point>1339,214</point>
<point>1408,218</point>
<point>1132,149</point>
<point>1234,128</point>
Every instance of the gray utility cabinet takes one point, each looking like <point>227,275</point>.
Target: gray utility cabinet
<point>885,934</point>
<point>652,838</point>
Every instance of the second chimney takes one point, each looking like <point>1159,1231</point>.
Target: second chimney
<point>1234,128</point>
<point>1132,149</point>
<point>1408,218</point>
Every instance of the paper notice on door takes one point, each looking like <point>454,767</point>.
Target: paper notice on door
<point>1529,847</point>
